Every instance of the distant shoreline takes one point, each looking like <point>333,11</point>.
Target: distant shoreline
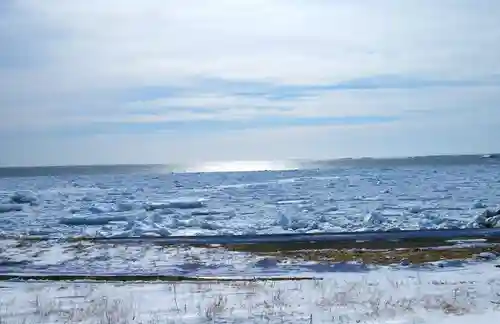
<point>340,159</point>
<point>246,166</point>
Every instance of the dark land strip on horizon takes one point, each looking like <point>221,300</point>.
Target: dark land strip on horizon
<point>301,164</point>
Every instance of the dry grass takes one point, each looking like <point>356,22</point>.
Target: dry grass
<point>103,310</point>
<point>323,301</point>
<point>384,256</point>
<point>216,307</point>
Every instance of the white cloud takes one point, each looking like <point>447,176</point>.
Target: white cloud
<point>69,63</point>
<point>130,43</point>
<point>435,103</point>
<point>324,142</point>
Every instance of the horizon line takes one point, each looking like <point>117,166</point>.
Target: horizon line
<point>396,157</point>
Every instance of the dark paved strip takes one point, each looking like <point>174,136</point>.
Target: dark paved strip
<point>138,278</point>
<point>351,245</point>
<point>395,238</point>
<point>443,234</point>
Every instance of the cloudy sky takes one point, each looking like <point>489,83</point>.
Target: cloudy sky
<point>161,81</point>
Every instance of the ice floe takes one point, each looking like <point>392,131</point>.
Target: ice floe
<point>92,220</point>
<point>176,204</point>
<point>348,200</point>
<point>488,218</point>
<point>24,197</point>
<point>6,208</point>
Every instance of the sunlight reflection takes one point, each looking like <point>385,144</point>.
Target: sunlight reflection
<point>242,166</point>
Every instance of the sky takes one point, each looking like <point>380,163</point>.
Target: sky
<point>164,81</point>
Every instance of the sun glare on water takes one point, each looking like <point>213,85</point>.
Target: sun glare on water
<point>242,166</point>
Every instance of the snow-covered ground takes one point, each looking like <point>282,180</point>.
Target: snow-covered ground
<point>48,257</point>
<point>386,295</point>
<point>165,204</point>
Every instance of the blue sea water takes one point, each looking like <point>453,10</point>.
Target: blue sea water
<point>322,196</point>
<point>55,203</point>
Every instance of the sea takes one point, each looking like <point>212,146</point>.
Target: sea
<point>52,217</point>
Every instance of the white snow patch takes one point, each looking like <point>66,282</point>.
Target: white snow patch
<point>469,295</point>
